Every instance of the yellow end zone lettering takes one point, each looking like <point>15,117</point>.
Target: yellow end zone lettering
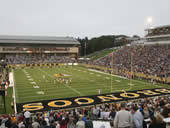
<point>33,107</point>
<point>66,103</point>
<point>89,100</point>
<point>108,98</point>
<point>148,92</point>
<point>130,95</point>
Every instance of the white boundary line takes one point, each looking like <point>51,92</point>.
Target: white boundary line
<point>14,93</point>
<point>66,86</point>
<point>118,76</point>
<point>122,78</point>
<point>93,70</point>
<point>106,73</point>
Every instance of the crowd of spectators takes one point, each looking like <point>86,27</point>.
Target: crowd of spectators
<point>36,59</point>
<point>131,114</point>
<point>147,59</point>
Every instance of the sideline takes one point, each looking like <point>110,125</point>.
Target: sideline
<point>11,79</point>
<point>122,90</point>
<point>145,83</point>
<point>106,73</point>
<point>121,77</point>
<point>14,93</point>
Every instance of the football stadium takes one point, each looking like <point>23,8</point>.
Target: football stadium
<point>46,74</point>
<point>84,64</point>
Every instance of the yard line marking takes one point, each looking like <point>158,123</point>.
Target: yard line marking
<point>106,73</point>
<point>130,84</point>
<point>92,80</point>
<point>98,75</point>
<point>40,92</point>
<point>32,82</point>
<point>119,76</point>
<point>66,86</point>
<point>30,79</point>
<point>28,97</point>
<point>36,86</point>
<point>107,78</point>
<point>117,80</point>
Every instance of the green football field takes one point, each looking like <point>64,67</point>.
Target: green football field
<point>30,84</point>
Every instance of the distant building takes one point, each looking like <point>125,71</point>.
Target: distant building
<point>20,45</point>
<point>124,40</point>
<point>159,35</point>
<point>156,35</point>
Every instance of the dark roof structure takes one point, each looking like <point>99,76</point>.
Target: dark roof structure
<point>159,27</point>
<point>37,40</point>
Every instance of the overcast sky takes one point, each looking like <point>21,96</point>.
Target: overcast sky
<point>80,18</point>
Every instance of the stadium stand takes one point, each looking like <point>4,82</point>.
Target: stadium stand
<point>101,116</point>
<point>151,60</point>
<point>142,61</point>
<point>144,57</point>
<point>37,59</point>
<point>38,49</point>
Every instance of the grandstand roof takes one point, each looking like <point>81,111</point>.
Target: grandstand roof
<point>158,27</point>
<point>37,39</point>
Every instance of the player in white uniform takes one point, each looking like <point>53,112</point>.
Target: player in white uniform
<point>43,76</point>
<point>99,91</point>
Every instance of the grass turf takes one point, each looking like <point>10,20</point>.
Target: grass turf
<point>84,82</point>
<point>9,110</point>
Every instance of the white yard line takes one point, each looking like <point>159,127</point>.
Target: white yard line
<point>27,97</point>
<point>117,80</point>
<point>107,78</point>
<point>35,86</point>
<point>106,73</point>
<point>75,90</point>
<point>119,76</point>
<point>66,86</point>
<point>145,83</point>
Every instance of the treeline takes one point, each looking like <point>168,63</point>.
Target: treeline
<point>99,43</point>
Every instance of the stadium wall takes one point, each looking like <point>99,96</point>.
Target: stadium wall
<point>73,102</point>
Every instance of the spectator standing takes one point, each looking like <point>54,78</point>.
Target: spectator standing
<point>88,123</point>
<point>71,124</point>
<point>123,118</point>
<point>137,118</point>
<point>35,124</point>
<point>63,123</point>
<point>27,116</point>
<point>80,123</point>
<point>157,122</point>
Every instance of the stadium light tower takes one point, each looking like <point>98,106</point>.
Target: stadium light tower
<point>149,21</point>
